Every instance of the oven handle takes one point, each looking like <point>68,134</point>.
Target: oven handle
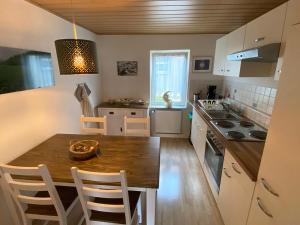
<point>216,151</point>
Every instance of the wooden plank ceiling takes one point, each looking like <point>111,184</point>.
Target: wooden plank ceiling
<point>159,16</point>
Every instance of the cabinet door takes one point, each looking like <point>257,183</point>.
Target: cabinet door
<point>235,194</point>
<point>292,18</point>
<point>266,29</point>
<point>226,195</point>
<point>220,56</point>
<point>202,140</point>
<point>198,136</point>
<point>115,120</point>
<point>235,43</point>
<point>280,161</point>
<point>293,11</point>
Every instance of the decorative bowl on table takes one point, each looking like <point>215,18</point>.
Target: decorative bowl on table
<point>83,149</point>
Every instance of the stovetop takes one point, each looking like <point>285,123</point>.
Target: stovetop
<point>240,130</point>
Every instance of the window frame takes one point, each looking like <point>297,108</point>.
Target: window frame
<point>186,51</point>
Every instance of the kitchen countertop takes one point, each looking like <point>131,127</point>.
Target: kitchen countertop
<point>247,154</point>
<point>119,105</point>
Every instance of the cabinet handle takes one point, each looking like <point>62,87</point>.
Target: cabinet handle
<point>235,169</point>
<point>295,24</point>
<point>259,39</point>
<point>225,172</point>
<point>121,129</point>
<point>268,187</point>
<point>111,113</point>
<point>133,113</point>
<point>228,70</point>
<point>263,208</point>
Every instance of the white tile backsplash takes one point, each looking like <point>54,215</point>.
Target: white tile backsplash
<point>255,101</point>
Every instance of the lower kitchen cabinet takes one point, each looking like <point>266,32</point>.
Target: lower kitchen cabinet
<point>115,118</point>
<point>198,135</point>
<point>236,191</point>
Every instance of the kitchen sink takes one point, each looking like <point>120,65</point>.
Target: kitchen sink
<point>221,115</point>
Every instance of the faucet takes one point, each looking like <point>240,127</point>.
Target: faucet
<point>226,106</point>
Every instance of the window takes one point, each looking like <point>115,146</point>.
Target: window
<point>169,72</point>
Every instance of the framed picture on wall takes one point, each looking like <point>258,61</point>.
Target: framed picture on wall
<point>202,64</point>
<point>127,68</point>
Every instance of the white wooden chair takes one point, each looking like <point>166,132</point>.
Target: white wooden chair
<point>39,200</point>
<point>143,132</point>
<point>103,204</point>
<point>85,129</point>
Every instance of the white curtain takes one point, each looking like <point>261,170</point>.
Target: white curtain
<point>38,71</point>
<point>169,72</point>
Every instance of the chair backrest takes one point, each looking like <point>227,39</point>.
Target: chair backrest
<point>144,123</point>
<point>85,129</point>
<point>24,189</point>
<point>89,193</point>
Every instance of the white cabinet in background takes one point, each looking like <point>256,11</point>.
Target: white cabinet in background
<point>280,197</point>
<point>266,29</point>
<point>115,118</point>
<point>236,191</point>
<point>198,135</point>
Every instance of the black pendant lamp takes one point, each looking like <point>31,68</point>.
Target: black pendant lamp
<point>76,56</point>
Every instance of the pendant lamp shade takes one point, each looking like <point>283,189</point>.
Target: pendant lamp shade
<point>76,56</point>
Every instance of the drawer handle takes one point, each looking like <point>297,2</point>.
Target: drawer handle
<point>268,187</point>
<point>226,173</point>
<point>263,208</point>
<point>235,169</point>
<point>259,39</point>
<point>133,113</point>
<point>111,113</point>
<point>295,24</point>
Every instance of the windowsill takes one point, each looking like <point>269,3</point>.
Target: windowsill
<point>166,108</point>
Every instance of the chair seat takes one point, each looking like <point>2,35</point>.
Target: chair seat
<point>66,194</point>
<point>118,218</point>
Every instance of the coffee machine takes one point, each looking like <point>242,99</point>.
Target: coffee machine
<point>211,91</point>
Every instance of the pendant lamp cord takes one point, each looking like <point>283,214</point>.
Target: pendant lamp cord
<point>73,20</point>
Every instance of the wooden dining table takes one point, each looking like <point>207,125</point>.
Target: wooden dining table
<point>138,156</point>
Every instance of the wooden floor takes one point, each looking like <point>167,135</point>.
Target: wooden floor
<point>184,197</point>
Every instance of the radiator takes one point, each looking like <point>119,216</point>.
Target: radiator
<point>167,121</point>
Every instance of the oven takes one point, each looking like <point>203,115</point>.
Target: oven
<point>214,158</point>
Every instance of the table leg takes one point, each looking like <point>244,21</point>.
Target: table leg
<point>151,205</point>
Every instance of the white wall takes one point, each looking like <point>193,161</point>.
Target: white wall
<point>137,47</point>
<point>29,117</point>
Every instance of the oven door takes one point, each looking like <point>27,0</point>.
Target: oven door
<point>214,160</point>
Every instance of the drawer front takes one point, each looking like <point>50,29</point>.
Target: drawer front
<point>136,113</point>
<point>111,112</point>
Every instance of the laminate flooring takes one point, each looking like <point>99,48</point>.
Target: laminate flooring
<point>184,196</point>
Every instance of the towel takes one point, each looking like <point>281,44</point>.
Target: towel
<point>82,93</point>
<point>79,92</point>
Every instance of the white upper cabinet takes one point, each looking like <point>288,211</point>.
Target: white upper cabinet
<point>235,43</point>
<point>220,56</point>
<point>266,29</point>
<point>292,18</point>
<point>293,11</point>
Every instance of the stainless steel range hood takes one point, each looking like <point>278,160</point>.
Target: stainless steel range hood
<point>266,54</point>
